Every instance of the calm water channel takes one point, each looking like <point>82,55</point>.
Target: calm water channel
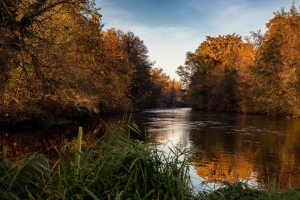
<point>256,149</point>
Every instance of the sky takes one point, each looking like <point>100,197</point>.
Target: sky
<point>171,28</point>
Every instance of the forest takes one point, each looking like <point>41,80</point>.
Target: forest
<point>56,59</point>
<point>258,74</point>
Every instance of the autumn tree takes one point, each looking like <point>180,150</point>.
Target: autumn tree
<point>117,72</point>
<point>165,92</point>
<point>259,74</point>
<point>211,74</point>
<point>175,97</point>
<point>126,70</point>
<point>159,82</point>
<point>195,84</point>
<point>245,81</point>
<point>137,52</point>
<point>277,68</point>
<point>57,60</point>
<point>47,57</point>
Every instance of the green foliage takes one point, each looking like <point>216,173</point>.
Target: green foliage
<point>25,178</point>
<point>116,167</point>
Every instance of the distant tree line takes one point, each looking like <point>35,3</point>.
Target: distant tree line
<point>56,59</point>
<point>257,74</point>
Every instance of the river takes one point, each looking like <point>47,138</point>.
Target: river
<point>260,150</point>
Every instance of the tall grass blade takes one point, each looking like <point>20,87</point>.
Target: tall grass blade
<point>91,193</point>
<point>78,153</point>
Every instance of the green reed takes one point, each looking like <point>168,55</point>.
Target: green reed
<point>115,167</point>
<point>78,153</point>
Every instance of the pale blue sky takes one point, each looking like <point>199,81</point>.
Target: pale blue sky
<point>170,28</point>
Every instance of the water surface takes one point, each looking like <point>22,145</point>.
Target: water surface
<point>257,149</point>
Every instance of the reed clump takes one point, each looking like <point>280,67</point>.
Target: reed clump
<point>115,167</point>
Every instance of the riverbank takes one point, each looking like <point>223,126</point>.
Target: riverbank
<point>115,167</point>
<point>241,191</point>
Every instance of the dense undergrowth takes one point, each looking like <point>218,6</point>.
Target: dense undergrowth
<point>115,167</point>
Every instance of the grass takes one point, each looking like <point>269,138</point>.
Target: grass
<point>242,191</point>
<point>115,167</point>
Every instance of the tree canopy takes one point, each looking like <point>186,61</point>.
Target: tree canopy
<point>56,59</point>
<point>258,74</point>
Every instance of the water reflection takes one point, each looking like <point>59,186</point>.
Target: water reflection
<point>257,149</point>
<point>44,140</point>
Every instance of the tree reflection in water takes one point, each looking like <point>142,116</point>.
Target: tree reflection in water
<point>258,149</point>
